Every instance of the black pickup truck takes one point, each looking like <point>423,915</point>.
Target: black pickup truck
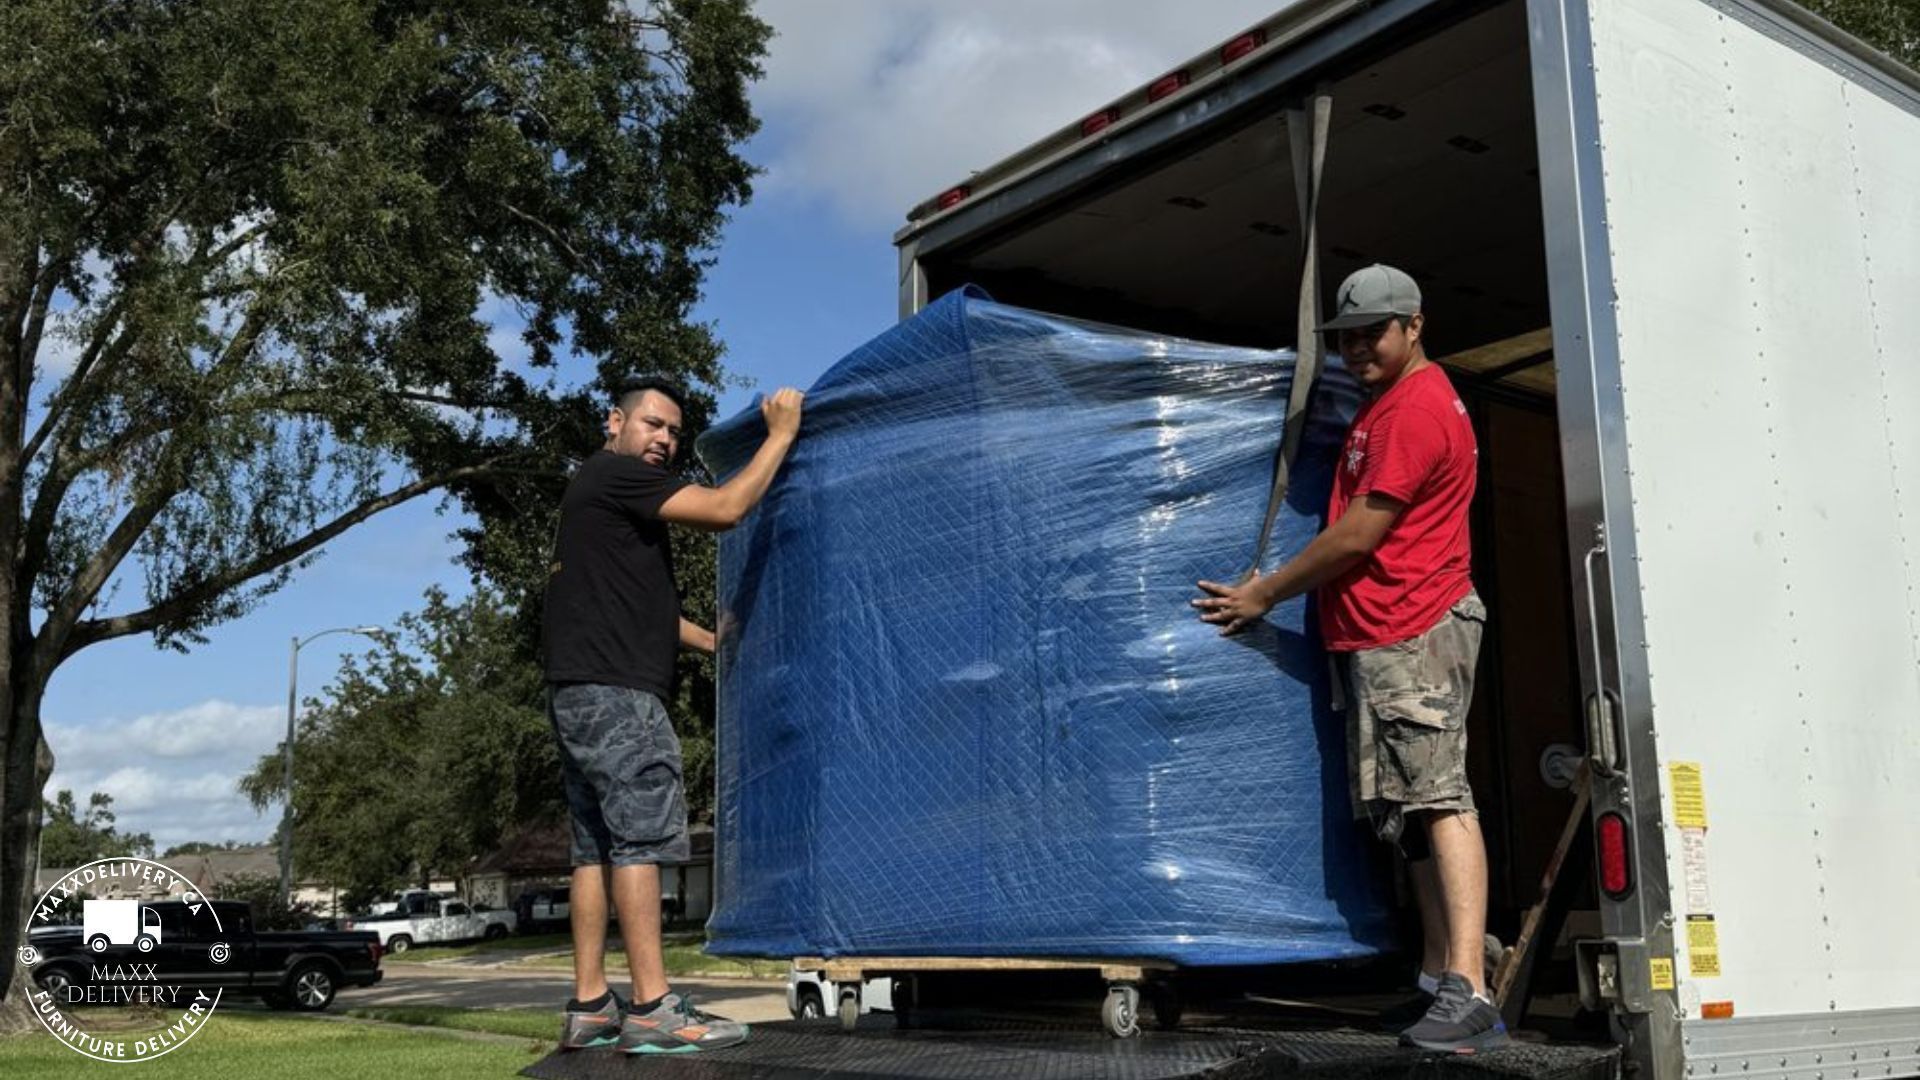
<point>286,969</point>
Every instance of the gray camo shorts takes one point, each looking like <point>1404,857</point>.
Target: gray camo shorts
<point>620,761</point>
<point>1407,721</point>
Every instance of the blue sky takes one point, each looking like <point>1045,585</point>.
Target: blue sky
<point>868,107</point>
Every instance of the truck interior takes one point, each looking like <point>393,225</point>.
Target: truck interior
<point>1431,166</point>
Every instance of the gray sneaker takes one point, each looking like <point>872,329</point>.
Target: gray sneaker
<point>675,1027</point>
<point>583,1029</point>
<point>1458,1022</point>
<point>1399,1018</point>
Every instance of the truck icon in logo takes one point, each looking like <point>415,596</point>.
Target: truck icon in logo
<point>119,922</point>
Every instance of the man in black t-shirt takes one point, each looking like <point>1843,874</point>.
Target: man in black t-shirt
<point>612,625</point>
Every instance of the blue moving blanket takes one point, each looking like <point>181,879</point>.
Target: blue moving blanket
<point>965,709</point>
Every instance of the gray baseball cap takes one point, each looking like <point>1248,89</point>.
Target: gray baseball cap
<point>1371,295</point>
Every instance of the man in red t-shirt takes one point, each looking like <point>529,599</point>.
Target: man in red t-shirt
<point>1399,613</point>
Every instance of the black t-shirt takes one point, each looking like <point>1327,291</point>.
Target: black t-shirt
<point>612,615</point>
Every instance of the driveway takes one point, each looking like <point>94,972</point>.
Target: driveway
<point>754,1001</point>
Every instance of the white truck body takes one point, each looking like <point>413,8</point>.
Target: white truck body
<point>1776,561</point>
<point>444,921</point>
<point>1714,205</point>
<point>410,900</point>
<point>118,922</point>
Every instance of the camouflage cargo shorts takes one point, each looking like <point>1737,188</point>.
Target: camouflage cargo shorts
<point>1407,721</point>
<point>620,766</point>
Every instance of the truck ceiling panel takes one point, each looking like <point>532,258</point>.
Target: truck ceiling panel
<point>1431,178</point>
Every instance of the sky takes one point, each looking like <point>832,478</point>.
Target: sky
<point>867,107</point>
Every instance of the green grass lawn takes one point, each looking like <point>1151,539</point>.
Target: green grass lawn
<point>245,1046</point>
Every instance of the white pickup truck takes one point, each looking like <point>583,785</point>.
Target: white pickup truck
<point>435,920</point>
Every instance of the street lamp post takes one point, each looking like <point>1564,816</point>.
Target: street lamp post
<point>286,791</point>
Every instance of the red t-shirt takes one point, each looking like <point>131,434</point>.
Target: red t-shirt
<point>1415,444</point>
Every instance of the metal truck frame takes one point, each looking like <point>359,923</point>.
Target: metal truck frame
<point>1729,216</point>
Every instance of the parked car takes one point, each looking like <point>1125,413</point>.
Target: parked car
<point>436,921</point>
<point>549,909</point>
<point>409,903</point>
<point>288,969</point>
<point>809,995</point>
<point>544,910</point>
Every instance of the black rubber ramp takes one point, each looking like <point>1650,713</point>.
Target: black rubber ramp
<point>813,1050</point>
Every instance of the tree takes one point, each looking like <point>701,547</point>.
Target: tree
<point>72,837</point>
<point>421,753</point>
<point>262,893</point>
<point>191,847</point>
<point>71,910</point>
<point>242,247</point>
<point>1892,26</point>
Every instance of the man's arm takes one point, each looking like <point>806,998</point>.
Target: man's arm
<point>695,636</point>
<point>1331,554</point>
<point>719,509</point>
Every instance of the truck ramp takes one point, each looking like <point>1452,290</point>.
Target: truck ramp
<point>814,1049</point>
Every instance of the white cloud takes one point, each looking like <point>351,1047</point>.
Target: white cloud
<point>173,774</point>
<point>876,105</point>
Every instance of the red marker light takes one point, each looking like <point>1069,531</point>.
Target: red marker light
<point>1239,47</point>
<point>1098,122</point>
<point>1616,864</point>
<point>1167,85</point>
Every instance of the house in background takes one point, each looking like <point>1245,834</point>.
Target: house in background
<point>206,872</point>
<point>536,856</point>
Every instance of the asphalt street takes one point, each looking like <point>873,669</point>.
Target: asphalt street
<point>750,1000</point>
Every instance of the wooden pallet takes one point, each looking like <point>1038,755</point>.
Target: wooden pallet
<point>857,968</point>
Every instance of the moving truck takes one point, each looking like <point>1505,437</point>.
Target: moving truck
<point>1671,255</point>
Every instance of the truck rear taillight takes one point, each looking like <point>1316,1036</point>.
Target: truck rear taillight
<point>953,197</point>
<point>1616,856</point>
<point>1166,85</point>
<point>373,950</point>
<point>1099,122</point>
<point>1239,47</point>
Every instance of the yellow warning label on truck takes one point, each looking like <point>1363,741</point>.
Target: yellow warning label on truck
<point>1703,947</point>
<point>1662,973</point>
<point>1689,795</point>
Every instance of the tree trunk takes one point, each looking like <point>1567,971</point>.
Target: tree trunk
<point>28,763</point>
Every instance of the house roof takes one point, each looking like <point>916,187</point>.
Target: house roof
<point>206,870</point>
<point>213,867</point>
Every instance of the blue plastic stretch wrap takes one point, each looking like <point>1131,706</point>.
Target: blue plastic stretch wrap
<point>965,708</point>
